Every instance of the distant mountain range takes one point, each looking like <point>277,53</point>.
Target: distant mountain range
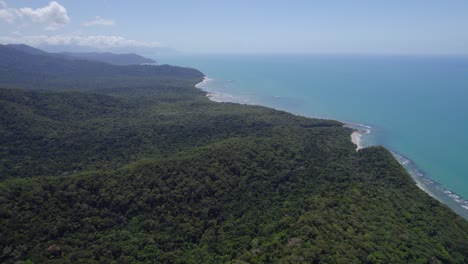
<point>107,57</point>
<point>111,58</point>
<point>28,67</point>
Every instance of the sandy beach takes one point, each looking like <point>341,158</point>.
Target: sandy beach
<point>202,83</point>
<point>356,139</point>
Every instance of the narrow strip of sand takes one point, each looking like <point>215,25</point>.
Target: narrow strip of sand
<point>356,139</point>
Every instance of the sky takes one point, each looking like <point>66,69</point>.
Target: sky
<point>436,27</point>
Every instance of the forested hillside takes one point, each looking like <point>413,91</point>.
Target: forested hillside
<point>157,173</point>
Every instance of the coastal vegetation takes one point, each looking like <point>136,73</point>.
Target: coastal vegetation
<point>132,164</point>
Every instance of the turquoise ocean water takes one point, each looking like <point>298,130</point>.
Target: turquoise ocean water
<point>417,107</point>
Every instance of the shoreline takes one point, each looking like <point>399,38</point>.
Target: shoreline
<point>219,97</point>
<point>434,189</point>
<point>356,139</point>
<point>203,82</point>
<point>360,130</point>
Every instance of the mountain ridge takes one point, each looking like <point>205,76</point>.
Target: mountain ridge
<point>106,57</point>
<point>111,58</point>
<point>35,70</point>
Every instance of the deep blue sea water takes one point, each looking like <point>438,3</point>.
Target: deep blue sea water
<point>416,106</point>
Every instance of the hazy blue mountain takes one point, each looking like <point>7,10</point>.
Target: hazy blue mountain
<point>149,52</point>
<point>27,49</point>
<point>111,58</point>
<point>107,57</point>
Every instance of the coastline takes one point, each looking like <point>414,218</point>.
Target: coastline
<point>457,203</point>
<point>359,132</point>
<point>219,97</point>
<point>358,137</point>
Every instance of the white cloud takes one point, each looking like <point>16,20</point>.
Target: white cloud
<point>96,41</point>
<point>52,16</point>
<point>99,21</point>
<point>8,14</point>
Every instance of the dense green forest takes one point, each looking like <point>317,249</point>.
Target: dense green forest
<point>103,171</point>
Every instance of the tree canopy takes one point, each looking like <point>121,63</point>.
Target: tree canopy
<point>107,172</point>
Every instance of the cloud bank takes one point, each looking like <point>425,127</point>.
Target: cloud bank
<point>54,16</point>
<point>51,17</point>
<point>99,21</point>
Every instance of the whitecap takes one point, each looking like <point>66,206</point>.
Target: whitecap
<point>203,82</point>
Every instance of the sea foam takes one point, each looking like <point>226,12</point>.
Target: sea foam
<point>433,188</point>
<point>210,86</point>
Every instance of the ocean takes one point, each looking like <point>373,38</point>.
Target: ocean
<point>417,107</point>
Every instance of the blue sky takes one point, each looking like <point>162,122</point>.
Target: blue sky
<point>222,26</point>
